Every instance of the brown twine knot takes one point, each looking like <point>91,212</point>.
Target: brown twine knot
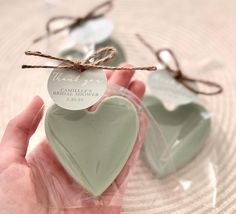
<point>95,61</point>
<point>97,12</point>
<point>178,73</point>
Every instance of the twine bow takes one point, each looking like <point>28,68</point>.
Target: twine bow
<point>97,12</point>
<point>178,73</point>
<point>94,61</point>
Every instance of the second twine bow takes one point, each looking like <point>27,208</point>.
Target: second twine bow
<point>97,12</point>
<point>178,73</point>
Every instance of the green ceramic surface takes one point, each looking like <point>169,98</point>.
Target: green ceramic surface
<point>93,146</point>
<point>185,130</point>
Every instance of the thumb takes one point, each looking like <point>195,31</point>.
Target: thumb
<point>19,130</point>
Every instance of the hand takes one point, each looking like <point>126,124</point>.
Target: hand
<point>38,183</point>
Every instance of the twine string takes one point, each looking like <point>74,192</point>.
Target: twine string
<point>178,73</point>
<point>95,61</point>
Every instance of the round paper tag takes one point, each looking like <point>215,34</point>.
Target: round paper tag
<point>97,30</point>
<point>75,90</point>
<point>169,90</point>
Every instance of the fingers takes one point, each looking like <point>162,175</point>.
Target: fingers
<point>20,129</point>
<point>108,73</point>
<point>138,88</point>
<point>133,156</point>
<point>121,77</point>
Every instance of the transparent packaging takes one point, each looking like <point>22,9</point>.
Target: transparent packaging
<point>94,150</point>
<point>189,131</point>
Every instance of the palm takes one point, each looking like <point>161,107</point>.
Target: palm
<point>57,184</point>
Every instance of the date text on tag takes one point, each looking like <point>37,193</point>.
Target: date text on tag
<point>75,90</point>
<point>97,31</point>
<point>168,90</point>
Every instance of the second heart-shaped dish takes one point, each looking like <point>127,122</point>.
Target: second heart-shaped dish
<point>185,131</point>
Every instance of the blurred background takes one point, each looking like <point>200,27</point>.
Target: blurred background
<point>203,35</point>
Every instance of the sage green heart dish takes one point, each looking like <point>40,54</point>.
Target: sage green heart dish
<point>93,147</point>
<point>185,131</point>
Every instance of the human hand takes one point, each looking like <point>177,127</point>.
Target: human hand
<point>38,183</point>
